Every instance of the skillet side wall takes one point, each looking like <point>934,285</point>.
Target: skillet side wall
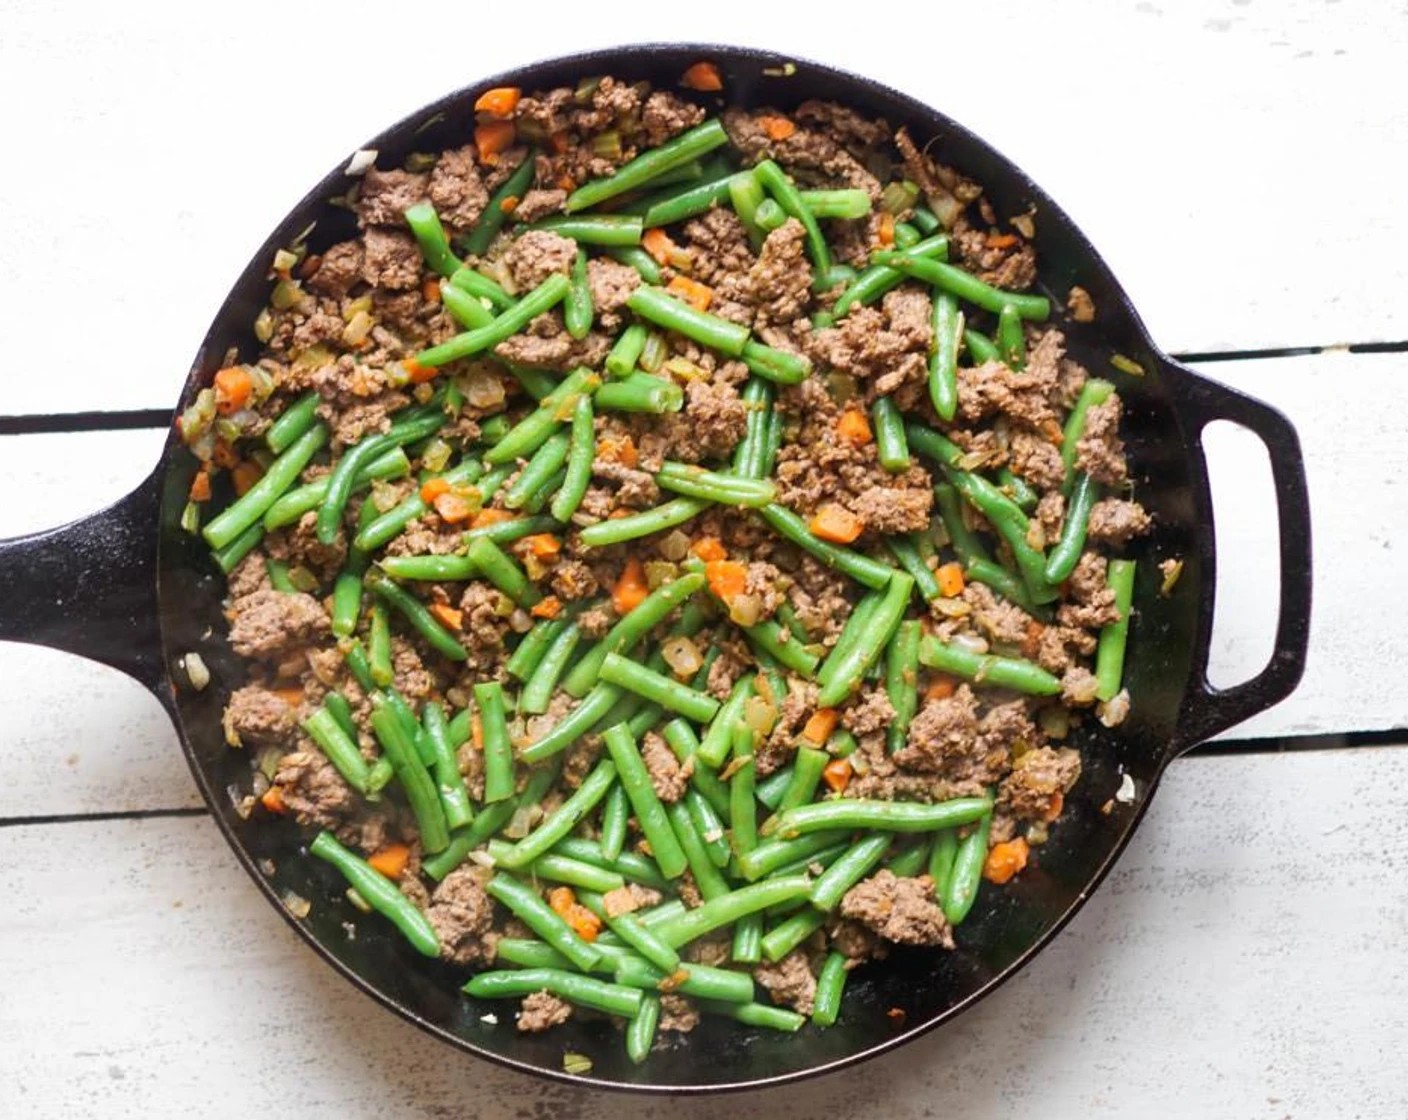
<point>1006,925</point>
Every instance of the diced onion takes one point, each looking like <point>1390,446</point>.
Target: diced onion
<point>576,1063</point>
<point>675,545</point>
<point>362,161</point>
<point>358,328</point>
<point>284,260</point>
<point>243,803</point>
<point>358,902</point>
<point>682,656</point>
<point>436,455</point>
<point>482,388</point>
<point>295,904</point>
<point>197,672</point>
<point>759,715</point>
<point>302,579</point>
<point>1125,794</point>
<point>952,608</point>
<point>970,642</point>
<point>1115,710</point>
<point>659,572</point>
<point>1055,722</point>
<point>264,325</point>
<point>745,610</point>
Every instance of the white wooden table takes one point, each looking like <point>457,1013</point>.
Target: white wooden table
<point>1239,164</point>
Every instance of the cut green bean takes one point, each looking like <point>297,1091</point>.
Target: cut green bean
<point>247,510</point>
<point>767,637</point>
<point>341,711</point>
<point>1093,393</point>
<point>392,463</point>
<point>564,869</point>
<point>448,779</point>
<point>878,279</point>
<point>555,827</point>
<point>806,774</point>
<point>757,398</point>
<point>710,826</point>
<point>650,165</point>
<point>863,857</point>
<point>492,218</point>
<point>596,229</point>
<point>229,556</point>
<point>474,283</point>
<point>379,645</point>
<point>417,614</point>
<point>615,816</point>
<point>786,367</point>
<point>650,813</point>
<point>1062,560</point>
<point>748,939</point>
<point>906,552</point>
<point>707,877</point>
<point>552,412</point>
<point>967,874</point>
<point>746,194</point>
<point>658,688</point>
<point>890,444</point>
<point>776,182</point>
<point>537,691</point>
<point>981,349</point>
<point>293,422</point>
<point>718,738</point>
<point>680,737</point>
<point>639,259</point>
<point>468,311</point>
<point>757,1015</point>
<point>379,892</point>
<point>661,517</point>
<point>631,930</point>
<point>633,866</point>
<point>430,235</point>
<point>964,285</point>
<point>769,215</point>
<point>277,572</point>
<point>902,681</point>
<point>860,568</point>
<point>699,980</point>
<point>986,668</point>
<point>652,610</point>
<point>600,995</point>
<point>941,857</point>
<point>885,816</point>
<point>716,486</point>
<point>826,1003</point>
<point>415,779</point>
<point>729,908</point>
<point>625,351</point>
<point>489,821</point>
<point>444,567</point>
<point>500,569</point>
<point>910,861</point>
<point>345,471</point>
<point>529,908</point>
<point>533,646</point>
<point>390,524</point>
<point>1018,489</point>
<point>1010,523</point>
<point>544,297</point>
<point>576,723</point>
<point>659,307</point>
<point>546,462</point>
<point>943,360</point>
<point>498,751</point>
<point>847,204</point>
<point>772,855</point>
<point>340,747</point>
<point>667,209</point>
<point>640,1031</point>
<point>1114,637</point>
<point>771,789</point>
<point>742,802</point>
<point>849,669</point>
<point>791,932</point>
<point>1011,342</point>
<point>640,392</point>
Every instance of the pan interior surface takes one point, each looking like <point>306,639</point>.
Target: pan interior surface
<point>1006,925</point>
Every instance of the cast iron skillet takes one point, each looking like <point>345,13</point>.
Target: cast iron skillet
<point>149,593</point>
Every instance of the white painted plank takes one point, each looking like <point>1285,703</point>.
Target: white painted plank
<point>1249,946</point>
<point>1227,158</point>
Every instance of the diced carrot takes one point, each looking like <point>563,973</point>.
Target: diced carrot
<point>950,577</point>
<point>820,725</point>
<point>1031,639</point>
<point>630,588</point>
<point>432,488</point>
<point>232,389</point>
<point>885,232</point>
<point>658,244</point>
<point>565,182</point>
<point>697,295</point>
<point>1052,431</point>
<point>510,204</point>
<point>1005,860</point>
<point>560,141</point>
<point>245,474</point>
<point>543,545</point>
<point>726,578</point>
<point>200,487</point>
<point>584,923</point>
<point>709,548</point>
<point>418,373</point>
<point>492,138</point>
<point>941,687</point>
<point>453,508</point>
<point>837,774</point>
<point>1054,807</point>
<point>290,696</point>
<point>561,899</point>
<point>273,800</point>
<point>853,427</point>
<point>391,860</point>
<point>447,615</point>
<point>476,732</point>
<point>704,77</point>
<point>487,517</point>
<point>498,102</point>
<point>621,451</point>
<point>1000,241</point>
<point>549,606</point>
<point>836,524</point>
<point>430,291</point>
<point>777,128</point>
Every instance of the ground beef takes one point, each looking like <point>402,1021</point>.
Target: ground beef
<point>1080,305</point>
<point>537,204</point>
<point>1037,776</point>
<point>887,348</point>
<point>629,899</point>
<point>900,910</point>
<point>538,254</point>
<point>997,619</point>
<point>573,579</point>
<point>713,420</point>
<point>944,740</point>
<point>789,981</point>
<point>1037,459</point>
<point>392,260</point>
<point>1091,604</point>
<point>868,713</point>
<point>545,344</point>
<point>483,623</point>
<point>1058,647</point>
<point>818,595</point>
<point>611,285</point>
<point>677,1014</point>
<point>635,489</point>
<point>1050,512</point>
<point>312,788</point>
<point>383,196</point>
<point>1100,451</point>
<point>1022,395</point>
<point>1115,522</point>
<point>463,916</point>
<point>843,124</point>
<point>298,544</point>
<point>894,509</point>
<point>726,669</point>
<point>457,190</point>
<point>250,575</point>
<point>665,115</point>
<point>1002,265</point>
<point>813,155</point>
<point>1078,687</point>
<point>256,717</point>
<point>542,1011</point>
<point>595,621</point>
<point>412,679</point>
<point>763,581</point>
<point>855,942</point>
<point>339,270</point>
<point>780,282</point>
<point>719,249</point>
<point>943,188</point>
<point>666,774</point>
<point>268,623</point>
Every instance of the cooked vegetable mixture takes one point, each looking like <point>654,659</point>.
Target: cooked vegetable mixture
<point>670,547</point>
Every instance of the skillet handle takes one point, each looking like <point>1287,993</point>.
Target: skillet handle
<point>89,588</point>
<point>1207,710</point>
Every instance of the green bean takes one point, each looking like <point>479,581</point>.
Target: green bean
<point>667,208</point>
<point>965,542</point>
<point>857,626</point>
<point>649,165</point>
<point>430,234</point>
<point>890,444</point>
<point>746,194</point>
<point>771,789</point>
<point>718,737</point>
<point>564,869</point>
<point>379,892</point>
<point>625,351</point>
<point>433,566</point>
<point>770,855</point>
<point>544,297</point>
<point>650,814</point>
<point>490,819</point>
<point>981,668</point>
<point>906,236</point>
<point>845,676</point>
<point>837,276</point>
<point>863,857</point>
<point>967,874</point>
<point>1093,393</point>
<point>943,360</point>
<point>653,609</point>
<point>743,805</point>
<point>981,349</point>
<point>766,636</point>
<point>340,747</point>
<point>906,551</point>
<point>701,981</point>
<point>777,184</point>
<point>529,952</point>
<point>555,827</point>
<point>878,279</point>
<point>661,517</point>
<point>360,667</point>
<point>747,456</point>
<point>757,1015</point>
<point>1064,557</point>
<point>910,861</point>
<point>576,723</point>
<point>847,204</point>
<point>613,999</point>
<point>493,216</point>
<point>533,647</point>
<point>791,932</point>
<point>806,774</point>
<point>661,308</point>
<point>468,311</point>
<point>277,572</point>
<point>681,739</point>
<point>709,823</point>
<point>707,876</point>
<point>596,229</point>
<point>341,711</point>
<point>537,691</point>
<point>420,790</point>
<point>500,569</point>
<point>887,816</point>
<point>826,1003</point>
<point>229,556</point>
<point>390,464</point>
<point>1011,342</point>
<point>783,366</point>
<point>633,866</point>
<point>498,751</point>
<point>615,816</point>
<point>860,568</point>
<point>941,857</point>
<point>388,525</point>
<point>769,215</point>
<point>293,422</point>
<point>1114,637</point>
<point>506,532</point>
<point>1007,518</point>
<point>534,429</point>
<point>640,1031</point>
<point>645,719</point>
<point>527,906</point>
<point>1017,488</point>
<point>729,908</point>
<point>823,859</point>
<point>630,929</point>
<point>715,486</point>
<point>637,258</point>
<point>748,939</point>
<point>658,688</point>
<point>342,480</point>
<point>925,220</point>
<point>546,461</point>
<point>245,513</point>
<point>474,283</point>
<point>641,392</point>
<point>379,645</point>
<point>417,614</point>
<point>902,681</point>
<point>964,284</point>
<point>1002,581</point>
<point>453,794</point>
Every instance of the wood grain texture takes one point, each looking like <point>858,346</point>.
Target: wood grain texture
<point>1227,158</point>
<point>1242,942</point>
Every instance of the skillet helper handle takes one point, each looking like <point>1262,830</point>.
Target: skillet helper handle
<point>1208,710</point>
<point>89,588</point>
